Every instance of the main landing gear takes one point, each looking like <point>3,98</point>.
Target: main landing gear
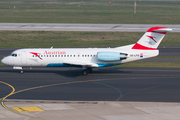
<point>87,71</point>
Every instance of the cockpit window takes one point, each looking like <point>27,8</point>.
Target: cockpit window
<point>13,54</point>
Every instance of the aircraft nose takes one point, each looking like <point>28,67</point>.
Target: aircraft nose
<point>4,61</point>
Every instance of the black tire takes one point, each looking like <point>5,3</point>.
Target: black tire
<point>89,70</point>
<point>22,71</point>
<point>85,72</point>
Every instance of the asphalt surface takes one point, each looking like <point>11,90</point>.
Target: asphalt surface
<point>104,84</point>
<point>163,51</point>
<point>83,27</point>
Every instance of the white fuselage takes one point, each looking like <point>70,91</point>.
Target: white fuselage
<point>65,57</point>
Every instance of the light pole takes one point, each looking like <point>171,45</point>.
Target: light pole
<point>134,6</point>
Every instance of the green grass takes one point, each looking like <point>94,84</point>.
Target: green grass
<point>152,64</point>
<point>42,39</point>
<point>90,11</point>
<point>172,57</point>
<point>1,63</point>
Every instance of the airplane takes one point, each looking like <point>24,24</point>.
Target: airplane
<point>88,58</point>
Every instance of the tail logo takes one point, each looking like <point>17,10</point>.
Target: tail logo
<point>152,38</point>
<point>36,54</point>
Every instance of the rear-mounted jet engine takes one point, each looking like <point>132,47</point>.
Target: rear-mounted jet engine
<point>111,56</point>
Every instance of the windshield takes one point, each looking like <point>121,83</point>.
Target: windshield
<point>13,54</point>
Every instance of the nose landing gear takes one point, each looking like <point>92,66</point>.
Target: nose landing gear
<point>19,68</point>
<point>22,71</point>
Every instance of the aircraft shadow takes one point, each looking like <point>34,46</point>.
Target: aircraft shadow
<point>67,72</point>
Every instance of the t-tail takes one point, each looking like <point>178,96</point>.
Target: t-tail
<point>151,39</point>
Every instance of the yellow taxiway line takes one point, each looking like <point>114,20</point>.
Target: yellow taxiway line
<point>2,102</point>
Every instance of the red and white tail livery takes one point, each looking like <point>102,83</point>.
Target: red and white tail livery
<point>88,58</point>
<point>151,39</point>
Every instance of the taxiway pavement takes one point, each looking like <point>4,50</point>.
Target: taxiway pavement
<point>104,84</point>
<point>110,93</point>
<point>83,27</point>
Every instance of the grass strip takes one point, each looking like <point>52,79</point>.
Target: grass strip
<point>151,64</point>
<point>172,57</point>
<point>90,11</point>
<point>58,39</point>
<point>1,63</point>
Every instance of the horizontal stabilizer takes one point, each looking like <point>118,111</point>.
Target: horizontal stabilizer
<point>161,30</point>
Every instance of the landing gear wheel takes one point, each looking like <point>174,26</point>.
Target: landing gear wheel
<point>85,72</point>
<point>22,71</point>
<point>89,70</point>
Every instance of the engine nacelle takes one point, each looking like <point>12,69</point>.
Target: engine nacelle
<point>111,56</point>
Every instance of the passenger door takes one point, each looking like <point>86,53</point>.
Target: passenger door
<point>23,57</point>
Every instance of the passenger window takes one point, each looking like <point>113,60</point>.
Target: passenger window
<point>41,55</point>
<point>49,55</point>
<point>58,55</point>
<point>70,55</point>
<point>52,55</point>
<point>82,55</point>
<point>55,55</point>
<point>44,55</point>
<point>74,55</point>
<point>67,55</point>
<point>61,55</point>
<point>88,55</point>
<point>64,55</point>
